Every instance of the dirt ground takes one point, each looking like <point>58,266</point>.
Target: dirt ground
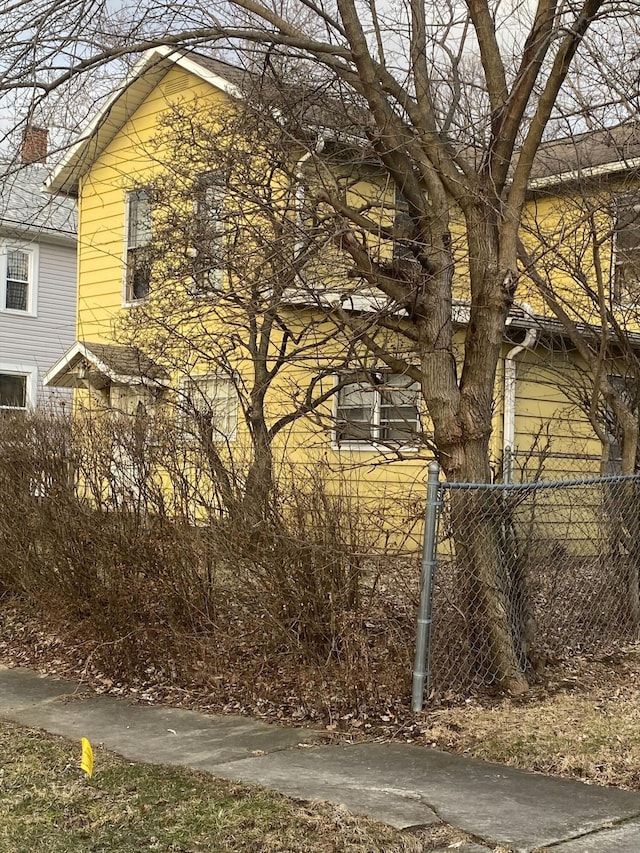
<point>582,720</point>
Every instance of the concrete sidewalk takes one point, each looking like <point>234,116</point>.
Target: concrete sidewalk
<point>400,784</point>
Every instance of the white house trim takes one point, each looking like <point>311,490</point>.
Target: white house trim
<point>125,100</point>
<point>30,371</point>
<point>72,358</point>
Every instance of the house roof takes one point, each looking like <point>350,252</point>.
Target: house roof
<point>587,155</point>
<point>125,100</point>
<point>310,106</point>
<point>25,208</point>
<point>113,364</point>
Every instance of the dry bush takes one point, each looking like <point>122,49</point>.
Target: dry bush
<point>115,534</point>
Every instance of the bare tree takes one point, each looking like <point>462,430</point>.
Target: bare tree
<point>584,262</point>
<point>457,143</point>
<point>448,171</point>
<point>222,272</point>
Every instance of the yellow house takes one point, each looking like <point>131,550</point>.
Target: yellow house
<point>151,330</point>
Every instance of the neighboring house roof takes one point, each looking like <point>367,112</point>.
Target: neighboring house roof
<point>121,365</point>
<point>24,207</point>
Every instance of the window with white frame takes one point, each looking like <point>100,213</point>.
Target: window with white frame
<point>379,407</point>
<point>209,225</point>
<point>18,289</point>
<point>626,253</point>
<point>138,245</point>
<point>210,403</point>
<point>17,387</point>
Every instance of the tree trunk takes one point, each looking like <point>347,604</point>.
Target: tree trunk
<point>491,585</point>
<point>461,411</point>
<point>259,484</point>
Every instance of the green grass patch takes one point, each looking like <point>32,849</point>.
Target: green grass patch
<point>48,805</point>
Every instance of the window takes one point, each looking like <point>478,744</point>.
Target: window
<point>18,290</point>
<point>208,233</point>
<point>17,386</point>
<point>377,407</point>
<point>13,391</point>
<point>210,402</point>
<point>138,249</point>
<point>626,254</point>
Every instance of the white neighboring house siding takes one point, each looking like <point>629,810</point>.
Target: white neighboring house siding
<point>31,342</point>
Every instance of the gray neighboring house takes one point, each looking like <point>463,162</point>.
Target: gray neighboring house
<point>37,279</point>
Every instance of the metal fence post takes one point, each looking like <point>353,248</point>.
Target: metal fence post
<point>421,666</point>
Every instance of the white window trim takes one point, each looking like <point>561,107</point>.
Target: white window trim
<point>389,447</point>
<point>218,274</point>
<point>126,302</point>
<point>203,377</point>
<point>32,249</point>
<point>30,371</point>
<point>620,301</point>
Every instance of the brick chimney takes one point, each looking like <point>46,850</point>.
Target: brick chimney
<point>34,144</point>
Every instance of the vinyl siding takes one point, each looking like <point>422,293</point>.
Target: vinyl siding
<point>39,341</point>
<point>126,160</point>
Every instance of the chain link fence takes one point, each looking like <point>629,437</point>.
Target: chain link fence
<point>526,574</point>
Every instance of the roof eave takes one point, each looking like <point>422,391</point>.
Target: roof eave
<point>97,134</point>
<point>57,375</point>
<point>586,173</point>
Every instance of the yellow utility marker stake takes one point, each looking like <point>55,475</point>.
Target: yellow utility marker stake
<point>86,762</point>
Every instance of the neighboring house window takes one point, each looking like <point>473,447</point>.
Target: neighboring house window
<point>138,250</point>
<point>377,407</point>
<point>626,254</point>
<point>18,279</point>
<point>209,233</point>
<point>17,387</point>
<point>210,401</point>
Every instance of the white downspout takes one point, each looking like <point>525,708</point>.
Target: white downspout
<point>300,190</point>
<point>509,413</point>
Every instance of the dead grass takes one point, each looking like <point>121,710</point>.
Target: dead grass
<point>47,804</point>
<point>584,723</point>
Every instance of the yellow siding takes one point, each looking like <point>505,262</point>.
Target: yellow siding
<point>541,405</point>
<point>126,162</point>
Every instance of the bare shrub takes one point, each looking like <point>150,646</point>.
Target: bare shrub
<point>113,532</point>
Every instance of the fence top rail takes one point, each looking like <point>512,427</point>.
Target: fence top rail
<point>541,484</point>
